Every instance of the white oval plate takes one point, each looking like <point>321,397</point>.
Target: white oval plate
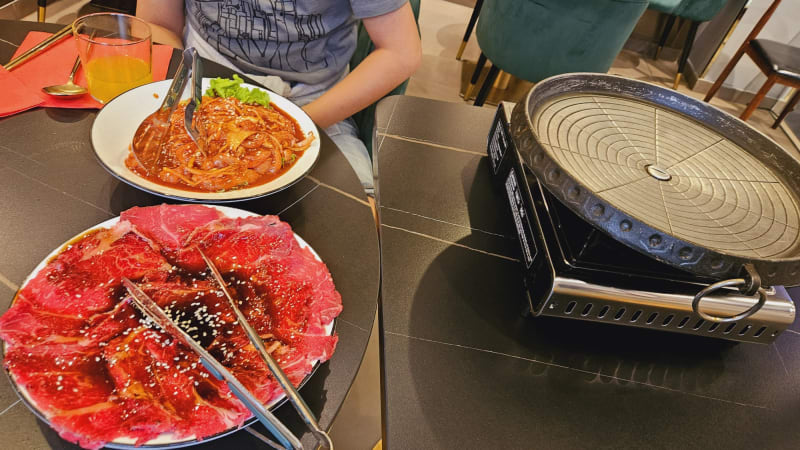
<point>116,124</point>
<point>165,440</point>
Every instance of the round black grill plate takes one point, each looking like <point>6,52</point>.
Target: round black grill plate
<point>669,176</point>
<point>672,173</point>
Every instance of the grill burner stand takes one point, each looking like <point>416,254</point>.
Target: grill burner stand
<point>573,270</point>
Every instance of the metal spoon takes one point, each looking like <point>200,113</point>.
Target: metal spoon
<point>69,89</point>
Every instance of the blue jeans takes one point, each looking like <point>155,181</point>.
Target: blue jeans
<point>345,135</point>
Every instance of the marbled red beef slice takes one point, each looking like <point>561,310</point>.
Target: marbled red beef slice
<point>244,241</point>
<point>92,427</point>
<point>27,325</point>
<point>168,225</point>
<point>79,288</point>
<point>302,265</point>
<point>85,276</point>
<point>60,378</point>
<point>177,293</point>
<point>303,300</point>
<point>69,385</point>
<point>150,366</point>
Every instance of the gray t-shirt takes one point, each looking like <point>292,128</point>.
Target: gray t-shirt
<point>306,41</point>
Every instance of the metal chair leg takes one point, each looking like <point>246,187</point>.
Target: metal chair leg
<point>687,48</point>
<point>502,81</point>
<point>470,26</point>
<point>487,85</point>
<point>789,107</point>
<point>42,4</point>
<point>665,35</point>
<point>759,97</point>
<point>476,74</point>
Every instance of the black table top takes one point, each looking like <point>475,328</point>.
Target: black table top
<point>53,188</point>
<point>463,368</point>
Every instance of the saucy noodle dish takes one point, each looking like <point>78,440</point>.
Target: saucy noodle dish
<point>241,145</point>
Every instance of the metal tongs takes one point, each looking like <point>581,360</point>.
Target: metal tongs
<point>287,386</point>
<point>151,309</point>
<point>190,67</point>
<point>191,59</point>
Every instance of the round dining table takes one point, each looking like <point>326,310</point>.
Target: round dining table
<point>52,188</point>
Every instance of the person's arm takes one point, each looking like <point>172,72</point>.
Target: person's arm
<point>165,18</point>
<point>397,55</point>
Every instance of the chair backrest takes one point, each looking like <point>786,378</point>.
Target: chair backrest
<point>365,119</point>
<point>536,39</point>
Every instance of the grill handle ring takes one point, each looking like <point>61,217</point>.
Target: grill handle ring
<point>741,282</point>
<point>752,280</point>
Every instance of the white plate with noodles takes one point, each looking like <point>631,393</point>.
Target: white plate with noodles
<point>236,165</point>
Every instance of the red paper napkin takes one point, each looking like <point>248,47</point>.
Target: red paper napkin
<point>53,66</point>
<point>16,96</point>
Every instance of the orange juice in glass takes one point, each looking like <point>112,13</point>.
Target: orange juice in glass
<point>116,51</point>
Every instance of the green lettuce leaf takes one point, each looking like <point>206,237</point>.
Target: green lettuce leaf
<point>226,87</point>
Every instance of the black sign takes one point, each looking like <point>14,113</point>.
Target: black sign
<point>499,140</point>
<point>522,219</point>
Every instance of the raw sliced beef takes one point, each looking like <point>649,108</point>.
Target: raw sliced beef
<point>167,225</point>
<point>99,371</point>
<point>148,365</point>
<point>246,242</point>
<point>25,324</point>
<point>60,378</point>
<point>84,277</point>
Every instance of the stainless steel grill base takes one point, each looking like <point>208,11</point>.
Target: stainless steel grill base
<point>578,299</point>
<point>611,285</point>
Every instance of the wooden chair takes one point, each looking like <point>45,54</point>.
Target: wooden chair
<point>779,62</point>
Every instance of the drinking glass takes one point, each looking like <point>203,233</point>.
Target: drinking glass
<point>116,51</point>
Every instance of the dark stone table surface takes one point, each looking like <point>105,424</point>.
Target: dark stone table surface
<point>52,188</point>
<point>463,368</point>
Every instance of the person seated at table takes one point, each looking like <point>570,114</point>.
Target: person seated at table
<point>301,49</point>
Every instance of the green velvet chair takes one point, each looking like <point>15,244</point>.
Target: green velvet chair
<point>536,39</point>
<point>697,12</point>
<point>365,119</point>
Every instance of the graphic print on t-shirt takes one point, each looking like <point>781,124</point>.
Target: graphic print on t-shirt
<point>251,31</point>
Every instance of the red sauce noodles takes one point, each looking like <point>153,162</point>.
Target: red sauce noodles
<point>241,145</point>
